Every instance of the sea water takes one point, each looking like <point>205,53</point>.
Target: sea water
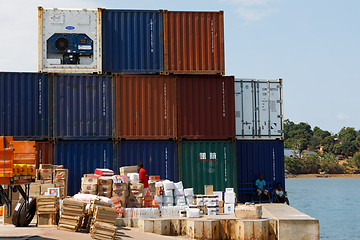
<point>335,202</point>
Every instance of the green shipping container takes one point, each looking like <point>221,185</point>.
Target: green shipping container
<point>208,163</point>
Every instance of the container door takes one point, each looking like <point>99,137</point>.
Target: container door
<point>270,109</point>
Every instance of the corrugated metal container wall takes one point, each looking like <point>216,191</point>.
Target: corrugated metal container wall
<point>255,157</point>
<point>132,41</point>
<point>207,163</point>
<point>206,107</point>
<point>83,107</point>
<point>258,109</point>
<point>82,157</point>
<point>194,42</point>
<point>24,105</point>
<point>158,157</point>
<point>146,107</point>
<point>44,153</point>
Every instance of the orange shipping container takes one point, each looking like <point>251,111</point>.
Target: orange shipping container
<point>146,107</point>
<point>194,42</point>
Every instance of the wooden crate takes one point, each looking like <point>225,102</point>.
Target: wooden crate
<point>46,220</point>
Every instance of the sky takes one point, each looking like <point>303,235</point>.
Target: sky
<point>312,45</point>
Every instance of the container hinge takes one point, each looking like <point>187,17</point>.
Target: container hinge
<point>280,116</point>
<point>280,131</point>
<point>279,101</point>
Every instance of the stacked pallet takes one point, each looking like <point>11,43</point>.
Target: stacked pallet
<point>47,208</point>
<point>72,213</point>
<point>102,225</point>
<point>93,204</point>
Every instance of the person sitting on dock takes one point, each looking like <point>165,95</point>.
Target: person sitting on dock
<point>279,195</point>
<point>260,185</point>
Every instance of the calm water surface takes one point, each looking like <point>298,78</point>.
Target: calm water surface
<point>335,202</point>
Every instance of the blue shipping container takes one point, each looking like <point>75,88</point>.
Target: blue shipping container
<point>83,107</point>
<point>24,105</point>
<point>132,41</point>
<point>255,157</point>
<point>158,157</point>
<point>82,157</point>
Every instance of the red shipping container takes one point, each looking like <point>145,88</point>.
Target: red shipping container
<point>194,42</point>
<point>146,107</point>
<point>44,153</point>
<point>206,108</point>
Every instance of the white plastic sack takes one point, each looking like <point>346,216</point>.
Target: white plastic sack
<point>168,185</point>
<point>179,185</point>
<point>192,213</point>
<point>134,177</point>
<point>167,200</point>
<point>159,184</point>
<point>168,193</point>
<point>180,200</point>
<point>179,192</point>
<point>159,199</point>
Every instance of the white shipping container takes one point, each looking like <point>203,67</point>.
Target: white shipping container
<point>259,109</point>
<point>69,40</point>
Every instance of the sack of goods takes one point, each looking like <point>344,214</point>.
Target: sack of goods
<point>168,185</point>
<point>180,200</point>
<point>193,213</point>
<point>134,177</point>
<point>179,190</point>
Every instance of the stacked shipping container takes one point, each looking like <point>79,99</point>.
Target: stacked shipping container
<point>180,125</point>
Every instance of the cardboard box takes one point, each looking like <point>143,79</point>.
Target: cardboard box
<point>89,187</point>
<point>105,181</point>
<point>94,192</point>
<point>57,166</point>
<point>60,173</point>
<point>46,166</point>
<point>120,193</point>
<point>104,188</point>
<point>154,178</point>
<point>35,190</point>
<point>230,197</point>
<point>229,208</point>
<point>209,189</point>
<point>133,205</point>
<point>219,195</point>
<point>151,186</point>
<point>48,181</point>
<point>105,194</point>
<point>221,209</point>
<point>159,191</point>
<point>134,200</point>
<point>44,187</point>
<point>221,203</point>
<point>60,182</point>
<point>134,193</point>
<point>90,180</point>
<point>202,210</point>
<point>120,186</point>
<point>45,174</point>
<point>136,186</point>
<point>128,169</point>
<point>248,211</point>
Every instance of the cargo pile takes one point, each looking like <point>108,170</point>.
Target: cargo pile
<point>50,180</point>
<point>47,210</point>
<point>72,214</point>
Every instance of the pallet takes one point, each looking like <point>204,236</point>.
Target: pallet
<point>47,219</point>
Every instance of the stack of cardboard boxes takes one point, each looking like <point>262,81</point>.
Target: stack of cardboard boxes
<point>50,176</point>
<point>136,194</point>
<point>121,190</point>
<point>105,186</point>
<point>89,184</point>
<point>72,214</point>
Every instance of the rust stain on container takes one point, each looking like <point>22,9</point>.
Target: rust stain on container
<point>146,107</point>
<point>206,108</point>
<point>194,42</point>
<point>44,153</point>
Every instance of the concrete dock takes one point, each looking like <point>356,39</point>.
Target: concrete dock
<point>279,221</point>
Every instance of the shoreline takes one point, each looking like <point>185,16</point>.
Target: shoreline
<point>317,175</point>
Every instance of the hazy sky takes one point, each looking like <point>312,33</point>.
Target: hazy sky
<point>312,45</point>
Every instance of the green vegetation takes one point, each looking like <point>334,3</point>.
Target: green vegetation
<point>326,145</point>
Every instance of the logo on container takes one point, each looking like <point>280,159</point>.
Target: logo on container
<point>212,36</point>
<point>223,98</point>
<point>70,28</point>
<point>165,101</point>
<point>103,98</point>
<point>151,36</point>
<point>40,97</point>
<point>225,164</point>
